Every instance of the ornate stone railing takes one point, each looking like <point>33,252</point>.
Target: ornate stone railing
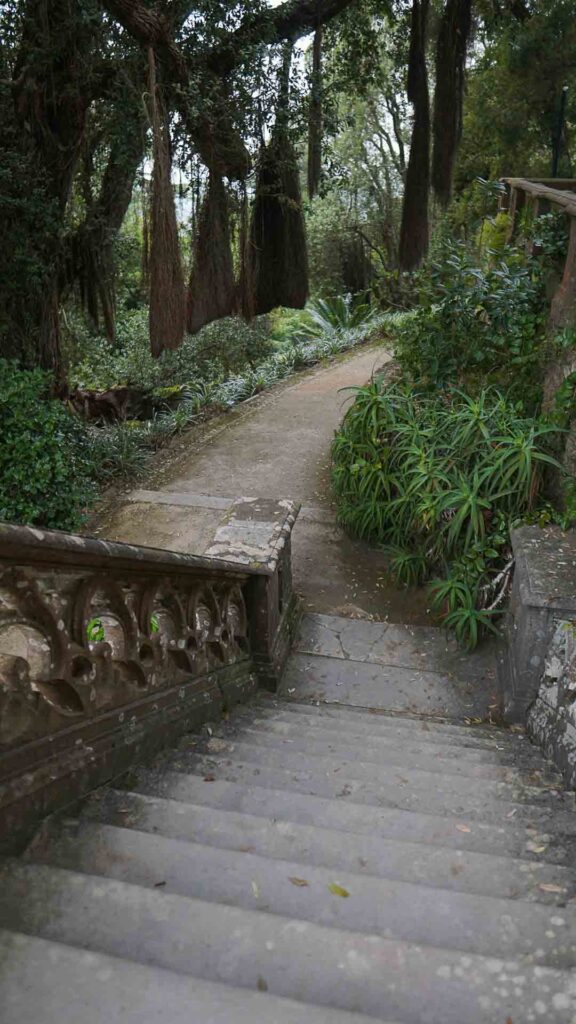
<point>108,650</point>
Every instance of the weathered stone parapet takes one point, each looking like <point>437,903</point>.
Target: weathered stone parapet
<point>108,650</point>
<point>537,670</point>
<point>256,533</point>
<point>552,716</point>
<point>543,594</point>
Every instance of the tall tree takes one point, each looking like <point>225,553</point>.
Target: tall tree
<point>451,46</point>
<point>414,231</point>
<point>61,59</point>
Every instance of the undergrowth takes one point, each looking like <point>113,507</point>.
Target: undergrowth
<point>438,480</point>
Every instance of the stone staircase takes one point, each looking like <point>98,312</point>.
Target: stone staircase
<point>309,862</point>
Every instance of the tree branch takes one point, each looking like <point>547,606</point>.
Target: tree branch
<point>290,20</point>
<point>218,144</point>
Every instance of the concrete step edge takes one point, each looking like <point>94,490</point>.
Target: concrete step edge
<point>275,754</point>
<point>467,832</point>
<point>498,809</point>
<point>54,983</point>
<point>327,966</point>
<point>556,879</point>
<point>385,753</point>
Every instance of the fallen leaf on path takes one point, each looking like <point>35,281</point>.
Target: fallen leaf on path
<point>255,890</point>
<point>463,828</point>
<point>549,887</point>
<point>338,890</point>
<point>301,882</point>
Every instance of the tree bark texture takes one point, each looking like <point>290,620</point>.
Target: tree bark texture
<point>452,42</point>
<point>414,231</point>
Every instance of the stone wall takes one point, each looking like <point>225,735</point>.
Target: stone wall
<point>537,664</point>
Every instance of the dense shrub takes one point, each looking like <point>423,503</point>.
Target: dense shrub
<point>438,479</point>
<point>479,323</point>
<point>46,463</point>
<point>219,349</point>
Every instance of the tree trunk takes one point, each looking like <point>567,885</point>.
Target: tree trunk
<point>90,249</point>
<point>451,47</point>
<point>315,117</point>
<point>414,231</point>
<point>44,136</point>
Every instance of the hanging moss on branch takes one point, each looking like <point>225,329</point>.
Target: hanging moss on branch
<point>212,289</point>
<point>276,256</point>
<point>453,36</point>
<point>167,290</point>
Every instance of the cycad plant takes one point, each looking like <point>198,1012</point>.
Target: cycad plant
<point>438,479</point>
<point>341,313</point>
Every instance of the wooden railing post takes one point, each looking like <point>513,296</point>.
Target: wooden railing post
<point>517,203</point>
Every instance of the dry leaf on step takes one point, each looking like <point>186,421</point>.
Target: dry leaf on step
<point>338,890</point>
<point>301,882</point>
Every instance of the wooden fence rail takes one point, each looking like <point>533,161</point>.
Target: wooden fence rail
<point>540,195</point>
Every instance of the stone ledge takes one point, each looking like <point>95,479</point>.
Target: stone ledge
<point>545,566</point>
<point>254,532</point>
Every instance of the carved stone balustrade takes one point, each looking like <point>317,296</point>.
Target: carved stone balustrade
<point>108,650</point>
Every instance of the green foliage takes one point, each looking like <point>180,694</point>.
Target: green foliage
<point>123,450</point>
<point>46,461</point>
<point>340,313</point>
<point>513,93</point>
<point>478,323</point>
<point>438,479</point>
<point>95,631</point>
<point>550,232</point>
<point>218,350</point>
<point>493,233</point>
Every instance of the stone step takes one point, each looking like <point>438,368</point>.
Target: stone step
<point>364,684</point>
<point>476,764</point>
<point>45,982</point>
<point>441,867</point>
<point>420,914</point>
<point>402,789</point>
<point>377,722</point>
<point>514,838</point>
<point>481,752</point>
<point>329,967</point>
<point>395,644</point>
<point>519,786</point>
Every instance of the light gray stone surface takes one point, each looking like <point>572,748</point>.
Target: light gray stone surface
<point>391,666</point>
<point>459,870</point>
<point>401,788</point>
<point>51,983</point>
<point>322,965</point>
<point>379,906</point>
<point>310,862</point>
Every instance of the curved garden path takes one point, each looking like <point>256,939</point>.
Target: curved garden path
<point>277,446</point>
